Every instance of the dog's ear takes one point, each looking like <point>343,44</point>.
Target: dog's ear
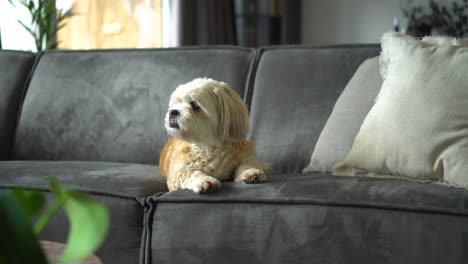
<point>234,116</point>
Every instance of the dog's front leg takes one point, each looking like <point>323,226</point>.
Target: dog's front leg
<point>196,181</point>
<point>250,172</point>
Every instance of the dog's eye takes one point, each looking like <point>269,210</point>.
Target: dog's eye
<point>194,105</point>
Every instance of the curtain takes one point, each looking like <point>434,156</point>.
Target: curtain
<point>213,22</point>
<point>198,22</point>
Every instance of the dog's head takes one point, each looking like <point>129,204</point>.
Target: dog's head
<point>206,111</point>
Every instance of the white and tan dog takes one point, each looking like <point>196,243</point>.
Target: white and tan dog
<point>208,123</point>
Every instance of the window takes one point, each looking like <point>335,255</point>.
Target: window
<point>98,24</point>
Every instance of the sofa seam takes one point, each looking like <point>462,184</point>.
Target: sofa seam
<point>17,51</point>
<point>87,191</point>
<point>186,48</point>
<point>146,236</point>
<point>386,207</point>
<point>252,59</point>
<point>322,46</point>
<point>252,76</point>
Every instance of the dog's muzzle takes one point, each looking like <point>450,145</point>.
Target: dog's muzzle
<point>173,118</point>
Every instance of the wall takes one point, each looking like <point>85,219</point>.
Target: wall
<point>349,21</point>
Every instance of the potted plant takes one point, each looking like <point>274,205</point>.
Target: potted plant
<point>89,221</point>
<point>437,19</point>
<point>46,21</point>
<point>419,22</point>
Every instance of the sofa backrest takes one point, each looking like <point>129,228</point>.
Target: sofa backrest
<point>292,94</point>
<point>15,68</point>
<point>110,105</point>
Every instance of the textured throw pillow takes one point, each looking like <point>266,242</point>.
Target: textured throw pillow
<point>428,40</point>
<point>445,41</point>
<point>344,122</point>
<point>418,126</point>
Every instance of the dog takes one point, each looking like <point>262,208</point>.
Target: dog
<point>208,123</point>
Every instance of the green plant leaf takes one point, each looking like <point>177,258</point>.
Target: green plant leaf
<point>24,4</point>
<point>33,34</point>
<point>35,15</point>
<point>11,2</point>
<point>18,244</point>
<point>89,222</point>
<point>47,215</point>
<point>52,45</point>
<point>44,21</point>
<point>32,202</point>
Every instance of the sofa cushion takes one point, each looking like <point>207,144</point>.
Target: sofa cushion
<point>292,94</point>
<point>105,178</point>
<point>313,218</point>
<point>15,68</point>
<point>110,105</point>
<point>350,109</point>
<point>323,188</point>
<point>418,127</point>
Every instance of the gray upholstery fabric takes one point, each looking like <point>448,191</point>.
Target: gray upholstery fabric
<point>14,69</point>
<point>293,94</point>
<point>114,179</point>
<point>314,218</point>
<point>123,241</point>
<point>110,105</point>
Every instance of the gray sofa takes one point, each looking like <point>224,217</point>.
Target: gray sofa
<point>94,119</point>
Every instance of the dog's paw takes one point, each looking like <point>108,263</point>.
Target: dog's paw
<point>251,176</point>
<point>205,184</point>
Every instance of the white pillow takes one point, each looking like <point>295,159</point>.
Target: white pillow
<point>351,108</point>
<point>429,40</point>
<point>418,126</point>
<point>445,41</point>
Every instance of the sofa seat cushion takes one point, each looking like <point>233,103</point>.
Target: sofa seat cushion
<point>115,179</point>
<point>322,188</point>
<point>309,219</point>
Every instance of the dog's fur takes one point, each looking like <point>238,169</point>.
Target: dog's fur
<point>208,142</point>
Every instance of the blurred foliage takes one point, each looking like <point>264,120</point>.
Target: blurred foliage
<point>450,19</point>
<point>46,21</point>
<point>89,222</point>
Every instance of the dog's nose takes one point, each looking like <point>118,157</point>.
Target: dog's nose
<point>173,113</point>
